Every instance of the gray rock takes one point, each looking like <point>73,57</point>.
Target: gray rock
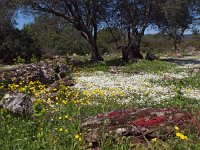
<point>150,56</point>
<point>17,103</point>
<point>190,49</point>
<point>44,71</point>
<point>74,55</point>
<point>56,85</point>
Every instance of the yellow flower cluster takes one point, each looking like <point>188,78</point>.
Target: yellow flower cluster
<point>64,106</point>
<point>78,137</point>
<point>180,135</point>
<point>33,87</point>
<point>1,86</point>
<point>154,139</point>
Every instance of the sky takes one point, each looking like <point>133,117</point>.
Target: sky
<point>22,20</point>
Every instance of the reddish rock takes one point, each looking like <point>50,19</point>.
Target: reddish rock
<point>139,124</point>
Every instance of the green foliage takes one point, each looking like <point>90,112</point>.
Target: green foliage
<point>107,40</point>
<point>18,45</point>
<point>39,107</point>
<point>148,66</point>
<point>174,19</point>
<point>56,40</point>
<point>19,60</point>
<point>156,43</point>
<point>70,41</point>
<point>34,59</point>
<point>192,81</point>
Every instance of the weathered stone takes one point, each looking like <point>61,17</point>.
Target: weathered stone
<point>17,103</point>
<point>138,124</point>
<point>45,71</point>
<point>190,49</point>
<point>150,56</point>
<point>56,85</point>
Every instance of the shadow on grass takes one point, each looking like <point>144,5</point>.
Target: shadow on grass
<point>108,63</point>
<point>115,62</point>
<point>182,61</point>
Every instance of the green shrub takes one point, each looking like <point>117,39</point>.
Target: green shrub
<point>18,46</point>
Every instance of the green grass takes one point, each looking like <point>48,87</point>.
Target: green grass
<point>156,66</point>
<point>192,81</point>
<point>101,66</point>
<point>149,66</point>
<point>43,131</point>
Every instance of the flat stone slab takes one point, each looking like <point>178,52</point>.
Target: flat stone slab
<point>140,124</point>
<point>17,103</point>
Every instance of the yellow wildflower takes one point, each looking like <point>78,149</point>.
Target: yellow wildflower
<point>61,129</point>
<point>181,136</point>
<point>76,136</point>
<point>64,102</point>
<point>176,128</point>
<point>178,134</point>
<point>188,90</point>
<point>154,140</point>
<point>54,89</point>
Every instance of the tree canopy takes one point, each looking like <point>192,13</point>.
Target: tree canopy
<point>175,19</point>
<point>109,19</point>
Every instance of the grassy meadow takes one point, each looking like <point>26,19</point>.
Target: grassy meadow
<point>56,123</point>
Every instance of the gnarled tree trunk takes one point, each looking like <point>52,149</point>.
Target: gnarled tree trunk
<point>95,56</point>
<point>131,52</point>
<point>177,42</point>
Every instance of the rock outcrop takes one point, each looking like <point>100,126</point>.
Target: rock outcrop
<point>17,103</point>
<point>46,72</point>
<point>139,124</point>
<point>150,56</point>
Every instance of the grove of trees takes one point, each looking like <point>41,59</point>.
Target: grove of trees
<point>90,26</point>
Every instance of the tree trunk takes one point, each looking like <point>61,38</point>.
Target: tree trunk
<point>175,45</point>
<point>95,56</point>
<point>131,52</point>
<point>177,42</point>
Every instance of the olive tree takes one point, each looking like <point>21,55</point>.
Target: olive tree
<point>175,17</point>
<point>83,15</point>
<point>133,17</point>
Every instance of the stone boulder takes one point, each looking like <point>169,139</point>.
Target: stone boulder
<point>57,84</point>
<point>190,49</point>
<point>17,103</point>
<point>46,71</point>
<point>139,124</point>
<point>150,56</point>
